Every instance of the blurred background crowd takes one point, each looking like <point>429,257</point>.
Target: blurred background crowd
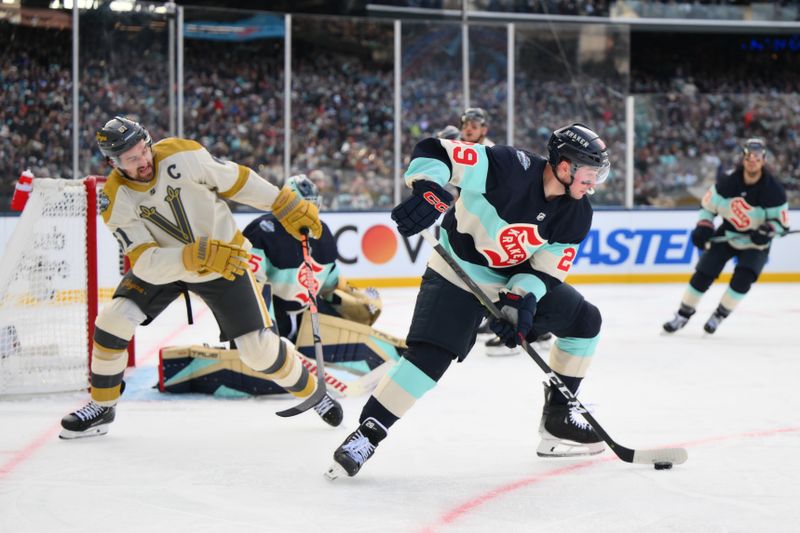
<point>696,94</point>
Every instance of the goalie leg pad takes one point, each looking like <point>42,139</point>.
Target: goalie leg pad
<point>346,342</point>
<point>211,370</point>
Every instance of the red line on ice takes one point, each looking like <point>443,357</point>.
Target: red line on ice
<point>461,511</point>
<point>51,432</point>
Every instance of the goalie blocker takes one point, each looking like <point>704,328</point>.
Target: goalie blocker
<point>358,349</point>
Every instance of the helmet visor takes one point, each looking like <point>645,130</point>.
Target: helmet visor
<point>592,175</point>
<point>755,149</point>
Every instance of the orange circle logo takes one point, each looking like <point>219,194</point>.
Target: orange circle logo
<point>379,244</point>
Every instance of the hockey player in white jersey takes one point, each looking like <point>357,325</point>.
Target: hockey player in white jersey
<point>164,203</point>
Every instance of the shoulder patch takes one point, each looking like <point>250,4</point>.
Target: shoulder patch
<point>267,226</point>
<point>524,160</point>
<point>103,201</point>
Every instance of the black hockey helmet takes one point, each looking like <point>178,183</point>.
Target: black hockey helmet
<point>304,187</point>
<point>120,135</point>
<point>475,114</point>
<point>755,146</point>
<point>581,146</point>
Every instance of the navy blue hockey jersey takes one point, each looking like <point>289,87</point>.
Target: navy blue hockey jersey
<point>502,230</point>
<point>745,207</point>
<point>282,261</point>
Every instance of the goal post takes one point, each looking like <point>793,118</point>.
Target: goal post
<point>49,289</point>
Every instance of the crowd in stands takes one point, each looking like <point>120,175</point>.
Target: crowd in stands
<point>688,123</point>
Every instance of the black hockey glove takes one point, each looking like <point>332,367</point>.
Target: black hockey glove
<point>518,312</point>
<point>762,234</point>
<point>701,233</point>
<point>417,212</point>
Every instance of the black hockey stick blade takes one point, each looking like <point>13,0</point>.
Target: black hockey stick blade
<point>671,455</point>
<point>321,389</point>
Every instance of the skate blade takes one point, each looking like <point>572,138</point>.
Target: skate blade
<point>564,448</point>
<point>334,471</point>
<point>67,434</point>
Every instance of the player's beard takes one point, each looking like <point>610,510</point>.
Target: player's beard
<point>144,173</point>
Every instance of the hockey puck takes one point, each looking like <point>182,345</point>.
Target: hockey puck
<point>662,465</point>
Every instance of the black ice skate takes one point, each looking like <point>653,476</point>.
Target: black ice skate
<point>356,449</point>
<point>681,318</point>
<point>564,432</point>
<point>715,319</point>
<point>496,348</point>
<point>484,328</point>
<point>329,410</point>
<point>91,420</point>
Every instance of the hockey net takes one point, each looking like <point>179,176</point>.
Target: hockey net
<point>48,290</point>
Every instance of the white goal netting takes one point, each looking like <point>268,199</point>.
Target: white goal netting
<point>44,295</point>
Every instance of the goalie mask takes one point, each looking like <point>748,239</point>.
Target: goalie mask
<point>304,187</point>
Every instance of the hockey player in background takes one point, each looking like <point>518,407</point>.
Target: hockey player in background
<point>475,126</point>
<point>164,204</point>
<point>753,207</point>
<point>515,230</point>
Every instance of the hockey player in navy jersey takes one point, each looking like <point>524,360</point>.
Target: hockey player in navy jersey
<point>754,210</point>
<point>280,266</point>
<point>515,229</point>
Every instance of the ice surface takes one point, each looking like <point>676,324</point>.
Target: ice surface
<point>463,459</point>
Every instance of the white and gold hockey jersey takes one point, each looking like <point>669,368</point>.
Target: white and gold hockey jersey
<point>153,221</point>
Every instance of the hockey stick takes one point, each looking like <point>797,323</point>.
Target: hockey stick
<point>355,387</point>
<point>321,390</point>
<point>651,456</point>
<point>724,238</point>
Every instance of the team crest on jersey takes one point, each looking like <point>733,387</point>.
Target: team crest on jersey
<point>513,242</point>
<point>103,201</point>
<point>267,225</point>
<point>309,281</point>
<point>740,216</point>
<point>524,160</point>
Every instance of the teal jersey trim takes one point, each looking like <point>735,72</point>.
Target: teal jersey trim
<point>411,379</point>
<point>694,291</point>
<point>529,284</point>
<point>577,346</point>
<point>733,294</point>
<point>473,177</point>
<point>428,169</point>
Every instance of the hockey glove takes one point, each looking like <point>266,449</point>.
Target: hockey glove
<point>701,233</point>
<point>223,258</point>
<point>518,312</point>
<point>417,212</point>
<point>762,234</point>
<point>294,213</point>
